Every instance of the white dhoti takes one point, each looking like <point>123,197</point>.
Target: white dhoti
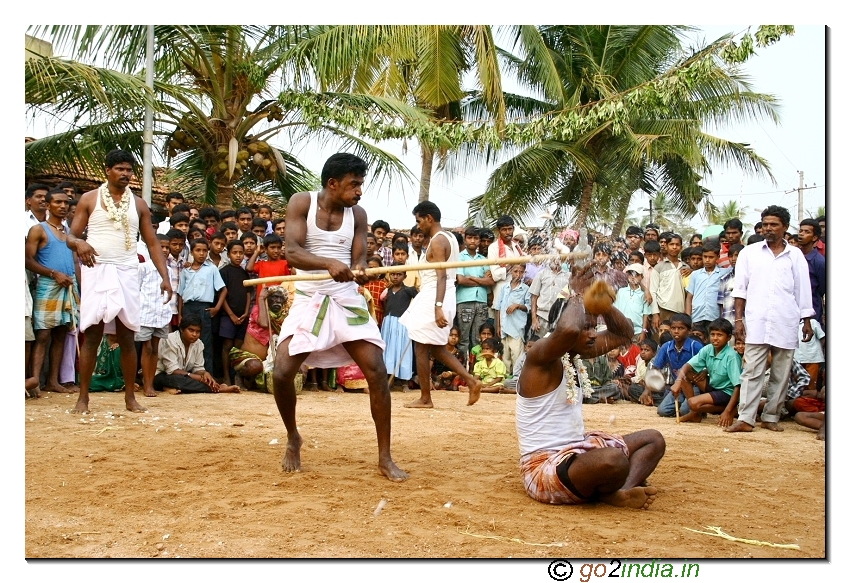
<point>320,324</point>
<point>419,317</point>
<point>109,291</point>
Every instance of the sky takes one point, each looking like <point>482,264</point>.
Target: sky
<point>793,70</point>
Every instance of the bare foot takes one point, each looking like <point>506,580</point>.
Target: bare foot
<point>474,393</point>
<point>640,497</point>
<point>133,405</point>
<point>392,471</point>
<point>31,387</point>
<point>821,436</point>
<point>228,389</point>
<point>50,388</point>
<point>150,392</point>
<point>507,391</point>
<point>171,391</point>
<point>420,403</point>
<point>739,427</point>
<point>292,458</point>
<point>691,417</point>
<point>771,425</point>
<point>339,389</point>
<point>82,407</point>
<point>324,387</point>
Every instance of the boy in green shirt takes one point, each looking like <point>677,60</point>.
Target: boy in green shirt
<point>721,391</point>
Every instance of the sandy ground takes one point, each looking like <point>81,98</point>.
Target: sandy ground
<point>200,476</point>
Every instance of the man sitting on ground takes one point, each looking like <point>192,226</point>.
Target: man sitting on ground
<point>560,463</point>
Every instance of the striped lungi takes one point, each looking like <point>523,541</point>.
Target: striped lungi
<point>320,324</point>
<point>539,474</point>
<point>54,305</point>
<point>110,291</point>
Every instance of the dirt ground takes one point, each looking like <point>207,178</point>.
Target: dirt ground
<point>200,476</point>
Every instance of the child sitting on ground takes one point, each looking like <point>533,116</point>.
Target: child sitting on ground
<point>484,331</point>
<point>489,369</point>
<point>638,392</point>
<point>721,388</point>
<point>674,354</point>
<point>443,377</point>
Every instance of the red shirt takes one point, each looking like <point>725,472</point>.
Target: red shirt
<point>270,269</point>
<point>376,287</point>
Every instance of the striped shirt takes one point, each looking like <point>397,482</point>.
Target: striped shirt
<point>154,312</point>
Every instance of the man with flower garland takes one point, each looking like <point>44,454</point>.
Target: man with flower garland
<point>109,277</point>
<point>560,463</point>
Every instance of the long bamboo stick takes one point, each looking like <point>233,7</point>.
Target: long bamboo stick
<point>441,265</point>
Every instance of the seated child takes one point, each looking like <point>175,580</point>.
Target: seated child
<point>485,331</point>
<point>443,377</point>
<point>673,355</point>
<point>180,366</point>
<point>638,392</point>
<point>722,386</point>
<point>489,369</point>
<point>601,375</point>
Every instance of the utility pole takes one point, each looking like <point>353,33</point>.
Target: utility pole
<point>800,190</point>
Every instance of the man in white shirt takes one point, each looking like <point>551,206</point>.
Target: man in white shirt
<point>36,206</point>
<point>504,246</point>
<point>772,295</point>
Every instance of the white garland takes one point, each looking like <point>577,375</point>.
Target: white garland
<point>119,215</point>
<point>583,383</point>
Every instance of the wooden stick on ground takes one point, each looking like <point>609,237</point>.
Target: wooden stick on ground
<point>441,265</point>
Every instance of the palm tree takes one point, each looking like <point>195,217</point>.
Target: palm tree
<point>222,93</point>
<point>603,71</point>
<point>729,210</point>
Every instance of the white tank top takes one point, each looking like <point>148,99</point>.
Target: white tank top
<point>332,244</point>
<point>548,421</point>
<point>109,242</point>
<point>429,276</point>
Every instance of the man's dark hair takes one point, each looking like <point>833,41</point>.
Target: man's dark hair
<point>665,338</point>
<point>459,238</point>
<point>637,254</point>
<point>176,234</point>
<point>736,248</point>
<point>379,224</point>
<point>813,223</point>
<point>780,212</point>
<point>67,184</point>
<point>602,248</point>
<point>162,237</point>
<point>758,226</point>
<point>234,243</point>
<point>338,165</point>
<point>118,157</point>
<point>209,211</point>
<point>178,218</point>
<point>173,196</point>
<point>665,236</point>
<point>416,230</point>
<point>471,232</point>
<point>400,239</point>
<point>688,251</point>
<point>821,218</point>
<point>244,210</point>
<point>653,345</point>
<point>734,224</point>
<point>505,221</point>
<point>217,235</point>
<point>425,208</point>
<point>371,236</point>
<point>258,222</point>
<point>401,246</point>
<point>755,238</point>
<point>190,320</point>
<point>486,234</point>
<point>198,241</point>
<point>228,214</point>
<point>722,325</point>
<point>699,327</point>
<point>33,187</point>
<point>276,222</point>
<point>652,247</point>
<point>250,235</point>
<point>711,246</point>
<point>229,226</point>
<point>682,319</point>
<point>49,196</point>
<point>650,227</point>
<point>634,230</point>
<point>674,236</point>
<point>181,208</point>
<point>272,239</point>
<point>695,236</point>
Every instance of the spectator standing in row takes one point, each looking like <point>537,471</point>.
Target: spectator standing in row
<point>472,285</point>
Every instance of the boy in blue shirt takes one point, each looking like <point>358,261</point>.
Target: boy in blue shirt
<point>513,307</point>
<point>704,284</point>
<point>198,284</point>
<point>674,354</point>
<point>721,388</point>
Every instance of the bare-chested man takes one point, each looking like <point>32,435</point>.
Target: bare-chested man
<point>431,312</point>
<point>328,324</point>
<point>560,463</point>
<point>110,272</point>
